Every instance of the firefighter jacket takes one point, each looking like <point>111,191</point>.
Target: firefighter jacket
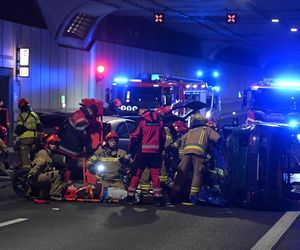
<point>149,135</point>
<point>169,137</point>
<point>28,125</point>
<point>74,136</point>
<point>43,162</point>
<point>110,160</point>
<point>78,120</point>
<point>3,147</point>
<point>197,139</point>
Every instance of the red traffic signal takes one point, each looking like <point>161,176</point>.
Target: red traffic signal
<point>100,69</point>
<point>231,18</point>
<point>100,72</point>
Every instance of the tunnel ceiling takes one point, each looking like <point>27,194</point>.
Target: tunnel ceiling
<point>24,12</point>
<point>205,20</point>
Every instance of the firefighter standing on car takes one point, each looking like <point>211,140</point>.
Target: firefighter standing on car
<point>194,144</point>
<point>149,137</point>
<point>74,134</point>
<point>28,129</point>
<point>3,146</point>
<point>45,178</point>
<point>109,165</point>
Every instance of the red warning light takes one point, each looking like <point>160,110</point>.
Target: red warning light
<point>100,72</point>
<point>231,18</point>
<point>100,69</point>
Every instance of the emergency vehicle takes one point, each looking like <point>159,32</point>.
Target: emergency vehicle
<point>157,90</point>
<point>264,154</point>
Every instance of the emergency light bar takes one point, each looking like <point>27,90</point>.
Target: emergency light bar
<point>121,79</point>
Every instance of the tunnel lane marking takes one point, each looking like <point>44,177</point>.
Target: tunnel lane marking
<point>7,223</point>
<point>270,239</point>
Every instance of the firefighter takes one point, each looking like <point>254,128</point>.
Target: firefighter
<point>76,141</point>
<point>145,181</point>
<point>74,135</point>
<point>3,146</point>
<point>194,143</point>
<point>109,165</point>
<point>44,176</point>
<point>113,107</point>
<point>28,129</point>
<point>180,129</point>
<point>147,141</point>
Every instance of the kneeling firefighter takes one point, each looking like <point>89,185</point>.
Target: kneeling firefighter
<point>47,182</point>
<point>194,144</point>
<point>110,165</point>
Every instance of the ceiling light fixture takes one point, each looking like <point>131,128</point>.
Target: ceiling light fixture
<point>294,29</point>
<point>275,20</point>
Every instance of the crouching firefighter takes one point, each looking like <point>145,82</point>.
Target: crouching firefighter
<point>110,166</point>
<point>46,181</point>
<point>194,143</point>
<point>147,141</point>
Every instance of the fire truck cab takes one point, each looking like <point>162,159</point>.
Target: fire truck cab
<point>157,90</point>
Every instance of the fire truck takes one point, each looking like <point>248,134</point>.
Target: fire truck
<point>157,90</point>
<point>263,156</point>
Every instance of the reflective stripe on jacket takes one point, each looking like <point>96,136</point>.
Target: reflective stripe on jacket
<point>196,140</point>
<point>149,133</point>
<point>29,121</point>
<point>110,160</point>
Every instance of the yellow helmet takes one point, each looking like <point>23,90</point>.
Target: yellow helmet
<point>198,120</point>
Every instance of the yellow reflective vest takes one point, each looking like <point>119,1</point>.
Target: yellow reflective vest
<point>29,121</point>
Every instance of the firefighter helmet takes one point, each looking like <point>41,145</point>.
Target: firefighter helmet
<point>161,111</point>
<point>94,104</point>
<point>180,127</point>
<point>3,132</point>
<point>198,120</point>
<point>110,135</point>
<point>53,138</point>
<point>117,102</point>
<point>23,102</point>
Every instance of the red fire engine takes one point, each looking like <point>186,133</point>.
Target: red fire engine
<point>158,90</point>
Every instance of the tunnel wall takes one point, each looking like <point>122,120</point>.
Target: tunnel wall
<point>57,71</point>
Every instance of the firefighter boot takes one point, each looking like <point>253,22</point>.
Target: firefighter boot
<point>195,199</point>
<point>131,201</point>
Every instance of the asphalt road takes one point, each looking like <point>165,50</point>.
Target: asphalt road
<point>77,225</point>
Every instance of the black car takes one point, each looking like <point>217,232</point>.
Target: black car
<point>122,126</point>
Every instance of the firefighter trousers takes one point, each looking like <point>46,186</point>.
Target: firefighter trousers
<point>49,183</point>
<point>24,149</point>
<point>188,161</point>
<point>153,162</point>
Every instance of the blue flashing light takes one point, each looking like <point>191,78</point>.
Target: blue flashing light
<point>121,80</point>
<point>217,88</point>
<point>199,73</point>
<point>293,123</point>
<point>215,74</point>
<point>287,83</point>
